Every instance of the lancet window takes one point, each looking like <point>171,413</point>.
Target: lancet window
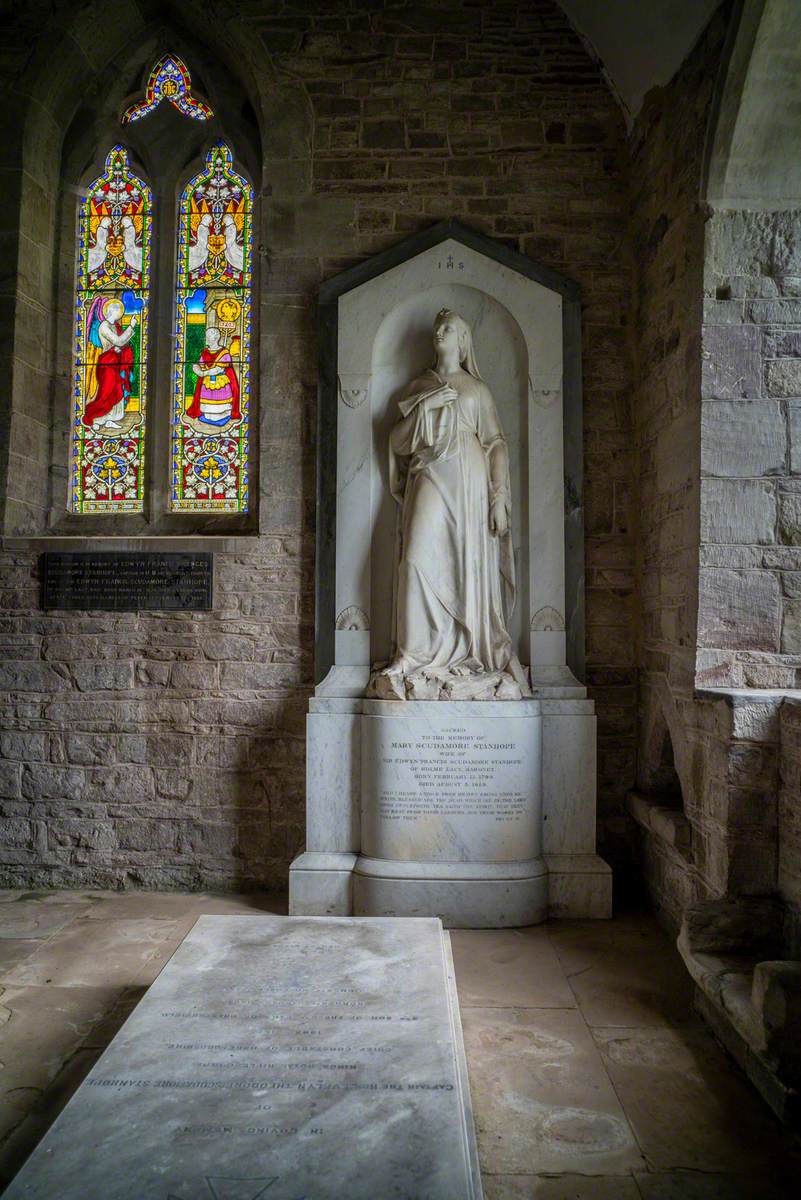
<point>110,342</point>
<point>212,340</point>
<point>206,405</point>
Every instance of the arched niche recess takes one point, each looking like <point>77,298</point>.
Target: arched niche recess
<point>376,328</point>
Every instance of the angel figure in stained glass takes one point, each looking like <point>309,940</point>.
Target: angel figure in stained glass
<point>97,253</point>
<point>199,249</point>
<point>110,364</point>
<point>234,250</point>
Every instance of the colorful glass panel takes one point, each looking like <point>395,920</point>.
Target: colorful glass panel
<point>110,342</point>
<point>211,380</point>
<point>169,80</point>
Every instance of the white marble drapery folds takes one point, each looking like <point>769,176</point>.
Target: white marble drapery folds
<point>455,574</point>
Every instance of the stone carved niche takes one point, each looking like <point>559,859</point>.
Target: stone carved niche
<point>376,336</point>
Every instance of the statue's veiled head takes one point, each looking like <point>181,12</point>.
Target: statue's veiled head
<point>450,326</point>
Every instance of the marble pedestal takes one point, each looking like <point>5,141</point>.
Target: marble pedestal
<point>480,813</point>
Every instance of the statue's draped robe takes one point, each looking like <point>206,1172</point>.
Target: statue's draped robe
<point>455,583</point>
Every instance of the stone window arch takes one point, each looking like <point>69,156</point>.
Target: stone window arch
<point>166,133</point>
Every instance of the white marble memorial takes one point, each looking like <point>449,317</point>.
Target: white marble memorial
<point>277,1058</point>
<point>446,600</point>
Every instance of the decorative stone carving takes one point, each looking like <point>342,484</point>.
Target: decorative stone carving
<point>352,618</point>
<point>547,618</point>
<point>454,563</point>
<point>353,389</point>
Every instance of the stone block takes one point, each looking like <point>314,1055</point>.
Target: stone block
<point>152,674</point>
<point>738,610</point>
<point>228,646</point>
<point>782,343</point>
<point>259,676</point>
<point>738,510</point>
<point>23,676</point>
<point>25,745</point>
<point>773,312</point>
<point>43,782</point>
<point>790,519</point>
<point>745,925</point>
<point>783,377</point>
<point>753,766</point>
<point>192,677</point>
<point>102,676</point>
<point>776,997</point>
<point>389,134</point>
<point>791,627</point>
<point>752,863</point>
<point>754,243</point>
<point>119,785</point>
<point>742,438</point>
<point>89,749</point>
<point>731,364</point>
<point>754,718</point>
<point>10,780</point>
<point>794,428</point>
<point>723,312</point>
<point>82,833</point>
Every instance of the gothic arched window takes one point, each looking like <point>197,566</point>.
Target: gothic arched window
<point>109,385</point>
<point>192,457</point>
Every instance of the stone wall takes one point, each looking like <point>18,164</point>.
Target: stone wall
<point>716,408</point>
<point>749,618</point>
<point>668,242</point>
<point>790,823</point>
<point>170,752</point>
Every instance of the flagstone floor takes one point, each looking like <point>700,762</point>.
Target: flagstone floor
<point>591,1076</point>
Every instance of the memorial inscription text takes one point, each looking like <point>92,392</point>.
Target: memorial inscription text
<point>455,772</point>
<point>122,581</point>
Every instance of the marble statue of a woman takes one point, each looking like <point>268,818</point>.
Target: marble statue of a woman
<point>455,577</point>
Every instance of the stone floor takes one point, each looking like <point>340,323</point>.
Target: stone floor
<point>591,1077</point>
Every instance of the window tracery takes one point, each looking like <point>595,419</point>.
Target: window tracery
<point>169,80</point>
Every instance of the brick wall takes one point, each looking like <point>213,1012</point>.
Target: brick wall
<point>171,752</point>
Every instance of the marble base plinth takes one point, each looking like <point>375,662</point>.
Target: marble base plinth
<point>406,813</point>
<point>579,886</point>
<point>277,1057</point>
<point>464,895</point>
<point>321,885</point>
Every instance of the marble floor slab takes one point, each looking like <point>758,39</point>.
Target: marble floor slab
<point>543,1101</point>
<point>634,982</point>
<point>266,1047</point>
<point>97,953</point>
<point>35,918</point>
<point>16,950</point>
<point>684,1106</point>
<point>509,968</point>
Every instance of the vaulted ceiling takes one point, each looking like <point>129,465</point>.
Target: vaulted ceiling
<point>640,43</point>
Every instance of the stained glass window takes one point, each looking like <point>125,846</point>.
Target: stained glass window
<point>169,80</point>
<point>211,383</point>
<point>110,342</point>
